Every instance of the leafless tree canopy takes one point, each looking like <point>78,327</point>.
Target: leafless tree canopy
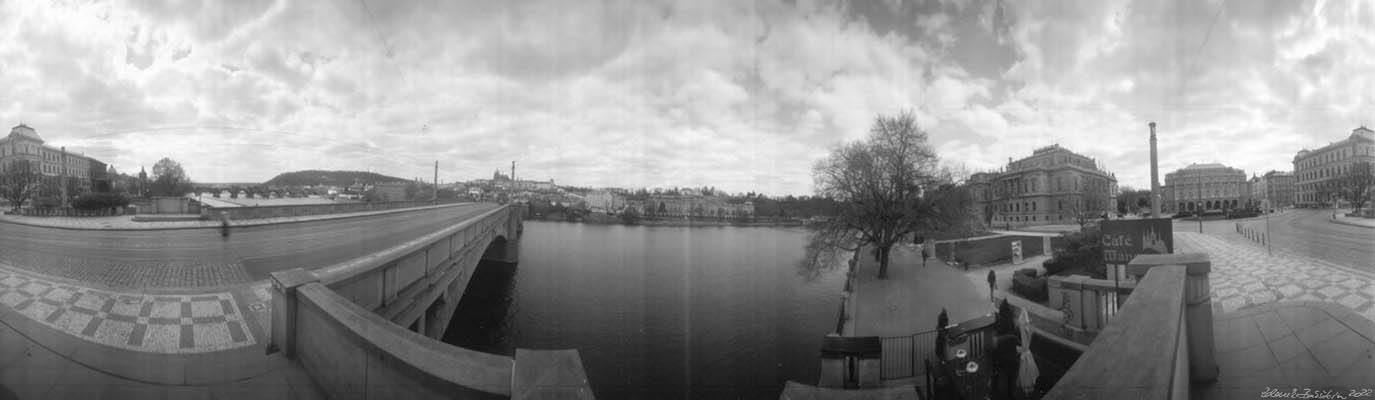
<point>1356,184</point>
<point>889,186</point>
<point>19,181</point>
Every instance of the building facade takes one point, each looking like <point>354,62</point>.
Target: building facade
<point>1316,171</point>
<point>57,167</point>
<point>1273,190</point>
<point>697,207</point>
<point>1211,186</point>
<point>605,201</point>
<point>1052,186</point>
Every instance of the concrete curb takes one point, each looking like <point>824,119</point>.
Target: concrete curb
<point>215,224</point>
<point>1343,221</point>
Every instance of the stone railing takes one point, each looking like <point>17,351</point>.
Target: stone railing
<point>1159,342</point>
<point>1088,304</point>
<point>347,324</point>
<point>72,212</point>
<point>297,210</point>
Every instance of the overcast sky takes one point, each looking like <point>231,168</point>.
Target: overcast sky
<point>741,95</point>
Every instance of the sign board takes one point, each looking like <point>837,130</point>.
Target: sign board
<point>1016,252</point>
<point>1126,238</point>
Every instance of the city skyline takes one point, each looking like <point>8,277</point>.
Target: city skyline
<point>742,96</point>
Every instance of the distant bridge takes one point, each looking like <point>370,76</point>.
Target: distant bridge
<point>369,327</point>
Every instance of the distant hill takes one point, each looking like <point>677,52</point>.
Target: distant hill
<point>332,178</point>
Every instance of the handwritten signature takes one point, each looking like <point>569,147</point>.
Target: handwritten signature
<point>1306,393</point>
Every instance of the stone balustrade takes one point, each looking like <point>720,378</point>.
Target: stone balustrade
<point>1088,304</point>
<point>1159,342</point>
<point>298,210</point>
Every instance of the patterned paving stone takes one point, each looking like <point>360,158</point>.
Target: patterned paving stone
<point>175,324</point>
<point>1245,276</point>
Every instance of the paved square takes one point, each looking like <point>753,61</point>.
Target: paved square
<point>174,324</point>
<point>1244,276</point>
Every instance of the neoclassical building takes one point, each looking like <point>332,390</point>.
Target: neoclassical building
<point>55,164</point>
<point>1275,189</point>
<point>1209,186</point>
<point>1052,186</point>
<point>1316,170</point>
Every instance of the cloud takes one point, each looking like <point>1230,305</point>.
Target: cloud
<point>743,96</point>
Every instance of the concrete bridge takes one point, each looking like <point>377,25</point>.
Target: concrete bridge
<point>369,327</point>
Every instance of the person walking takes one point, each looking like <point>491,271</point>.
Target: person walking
<point>992,283</point>
<point>224,224</point>
<point>925,254</point>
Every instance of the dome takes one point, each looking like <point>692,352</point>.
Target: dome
<point>24,131</point>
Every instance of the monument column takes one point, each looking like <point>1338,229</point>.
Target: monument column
<point>1155,177</point>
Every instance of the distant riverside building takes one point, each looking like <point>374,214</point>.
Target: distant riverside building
<point>1315,170</point>
<point>1275,189</point>
<point>605,201</point>
<point>697,206</point>
<point>1051,186</point>
<point>1215,186</point>
<point>53,163</point>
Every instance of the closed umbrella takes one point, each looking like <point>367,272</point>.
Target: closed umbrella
<point>1027,372</point>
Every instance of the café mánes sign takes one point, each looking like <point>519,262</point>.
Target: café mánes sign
<point>1124,239</point>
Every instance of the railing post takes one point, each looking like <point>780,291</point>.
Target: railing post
<point>1198,306</point>
<point>284,307</point>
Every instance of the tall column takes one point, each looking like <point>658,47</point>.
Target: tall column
<point>1155,177</point>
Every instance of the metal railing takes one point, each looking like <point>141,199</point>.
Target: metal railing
<point>903,356</point>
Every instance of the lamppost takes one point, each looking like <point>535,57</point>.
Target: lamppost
<point>1267,225</point>
<point>1199,216</point>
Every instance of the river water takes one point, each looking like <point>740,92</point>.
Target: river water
<point>658,312</point>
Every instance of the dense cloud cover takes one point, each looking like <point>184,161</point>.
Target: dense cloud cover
<point>741,95</point>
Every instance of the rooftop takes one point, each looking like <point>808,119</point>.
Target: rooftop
<point>25,131</point>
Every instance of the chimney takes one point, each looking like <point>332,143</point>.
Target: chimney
<point>1155,177</point>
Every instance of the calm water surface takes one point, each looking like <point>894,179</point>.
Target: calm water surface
<point>658,312</point>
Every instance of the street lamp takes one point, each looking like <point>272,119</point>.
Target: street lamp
<point>1199,216</point>
<point>1267,226</point>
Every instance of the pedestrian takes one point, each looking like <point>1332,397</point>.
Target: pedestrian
<point>925,254</point>
<point>224,224</point>
<point>1006,362</point>
<point>992,283</point>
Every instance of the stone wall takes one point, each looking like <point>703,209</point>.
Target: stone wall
<point>242,213</point>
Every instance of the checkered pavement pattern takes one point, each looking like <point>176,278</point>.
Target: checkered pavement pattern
<point>172,324</point>
<point>1244,276</point>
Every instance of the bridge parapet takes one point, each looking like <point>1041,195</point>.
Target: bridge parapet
<point>347,323</point>
<point>1161,333</point>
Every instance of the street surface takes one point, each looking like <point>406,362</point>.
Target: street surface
<point>187,258</point>
<point>1304,233</point>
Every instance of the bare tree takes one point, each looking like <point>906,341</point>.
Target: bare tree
<point>169,179</point>
<point>19,181</point>
<point>886,186</point>
<point>1084,207</point>
<point>1355,185</point>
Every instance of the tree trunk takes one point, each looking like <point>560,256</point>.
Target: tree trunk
<point>883,252</point>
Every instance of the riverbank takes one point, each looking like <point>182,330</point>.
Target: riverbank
<point>603,219</point>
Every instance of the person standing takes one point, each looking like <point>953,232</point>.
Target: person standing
<point>992,283</point>
<point>224,224</point>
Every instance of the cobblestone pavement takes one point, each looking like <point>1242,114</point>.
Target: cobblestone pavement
<point>114,273</point>
<point>1244,276</point>
<point>173,324</point>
